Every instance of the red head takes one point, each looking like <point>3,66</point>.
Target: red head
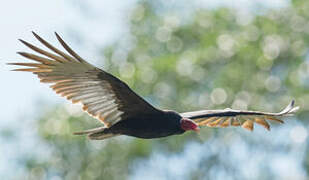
<point>187,125</point>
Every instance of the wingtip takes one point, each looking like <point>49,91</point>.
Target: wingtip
<point>10,65</point>
<point>25,42</point>
<point>295,109</point>
<point>12,69</point>
<point>35,34</point>
<point>289,109</point>
<point>292,108</point>
<point>21,53</point>
<point>19,70</point>
<point>57,35</point>
<point>21,40</point>
<point>14,64</point>
<point>292,102</point>
<point>59,38</point>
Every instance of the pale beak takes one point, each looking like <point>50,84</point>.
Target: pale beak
<point>197,129</point>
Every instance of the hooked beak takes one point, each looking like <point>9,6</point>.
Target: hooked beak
<point>197,129</point>
<point>189,125</point>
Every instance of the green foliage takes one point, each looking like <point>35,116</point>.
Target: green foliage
<point>216,59</point>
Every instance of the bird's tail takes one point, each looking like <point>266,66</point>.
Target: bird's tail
<point>101,136</point>
<point>97,133</point>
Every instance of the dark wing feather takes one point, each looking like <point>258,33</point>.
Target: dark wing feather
<point>230,117</point>
<point>102,95</point>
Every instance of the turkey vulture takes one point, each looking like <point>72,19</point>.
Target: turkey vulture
<point>120,109</point>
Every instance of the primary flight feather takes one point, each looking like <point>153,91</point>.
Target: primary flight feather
<point>121,110</point>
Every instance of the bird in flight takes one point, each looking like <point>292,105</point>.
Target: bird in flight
<point>119,108</point>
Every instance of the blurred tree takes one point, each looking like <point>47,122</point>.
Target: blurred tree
<point>213,59</point>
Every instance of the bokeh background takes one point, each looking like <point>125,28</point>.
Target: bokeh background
<point>202,54</point>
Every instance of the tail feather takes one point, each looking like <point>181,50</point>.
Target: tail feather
<point>290,109</point>
<point>97,133</point>
<point>101,136</point>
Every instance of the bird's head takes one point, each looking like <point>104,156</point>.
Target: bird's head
<point>187,125</point>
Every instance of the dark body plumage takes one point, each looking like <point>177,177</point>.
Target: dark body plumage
<point>149,126</point>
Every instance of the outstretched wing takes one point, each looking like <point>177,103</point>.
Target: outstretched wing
<point>102,95</point>
<point>230,117</point>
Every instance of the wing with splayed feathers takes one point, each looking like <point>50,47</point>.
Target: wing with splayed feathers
<point>230,117</point>
<point>102,95</point>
